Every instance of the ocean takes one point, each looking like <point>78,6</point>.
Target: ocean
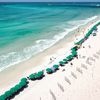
<point>27,29</point>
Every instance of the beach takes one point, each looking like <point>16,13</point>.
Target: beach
<point>38,38</point>
<point>77,81</point>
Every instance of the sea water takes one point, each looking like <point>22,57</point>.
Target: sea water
<point>29,28</point>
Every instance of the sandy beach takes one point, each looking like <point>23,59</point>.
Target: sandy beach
<point>80,81</point>
<point>71,82</point>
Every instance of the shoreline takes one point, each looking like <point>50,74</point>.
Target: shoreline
<point>70,33</point>
<point>20,71</point>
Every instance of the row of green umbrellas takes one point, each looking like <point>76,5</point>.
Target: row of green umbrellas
<point>80,42</point>
<point>23,82</point>
<point>97,24</point>
<point>69,57</point>
<point>88,34</point>
<point>14,90</point>
<point>64,61</point>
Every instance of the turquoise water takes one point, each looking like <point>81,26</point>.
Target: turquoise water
<point>29,28</point>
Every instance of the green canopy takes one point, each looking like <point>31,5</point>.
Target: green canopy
<point>98,24</point>
<point>94,28</point>
<point>8,94</point>
<point>39,74</point>
<point>87,35</point>
<point>32,76</point>
<point>17,87</point>
<point>24,80</point>
<point>62,63</point>
<point>74,53</point>
<point>56,66</point>
<point>70,57</point>
<point>74,48</point>
<point>90,32</point>
<point>49,70</point>
<point>80,42</point>
<point>12,90</point>
<point>65,60</point>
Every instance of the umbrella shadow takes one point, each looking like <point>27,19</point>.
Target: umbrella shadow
<point>84,66</point>
<point>67,80</point>
<point>90,60</point>
<point>79,70</point>
<point>40,98</point>
<point>96,56</point>
<point>98,52</point>
<point>74,75</point>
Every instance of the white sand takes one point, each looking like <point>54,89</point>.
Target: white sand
<point>84,82</point>
<point>75,83</point>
